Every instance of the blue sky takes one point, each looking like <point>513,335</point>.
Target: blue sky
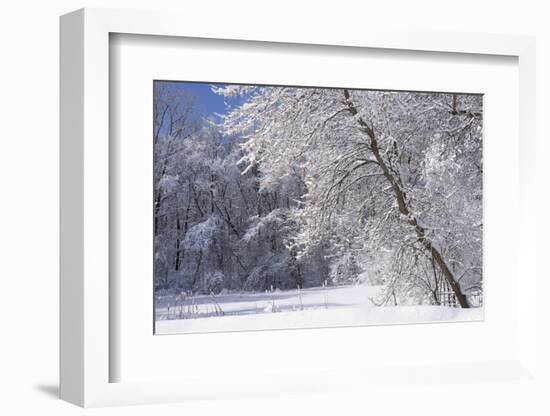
<point>212,103</point>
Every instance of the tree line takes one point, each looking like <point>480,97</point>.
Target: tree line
<point>295,187</point>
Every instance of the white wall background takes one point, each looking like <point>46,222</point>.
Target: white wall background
<point>29,56</point>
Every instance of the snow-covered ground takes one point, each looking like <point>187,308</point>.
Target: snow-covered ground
<point>307,308</point>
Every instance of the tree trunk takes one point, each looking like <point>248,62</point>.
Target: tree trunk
<point>197,269</point>
<point>403,207</point>
<point>178,243</point>
<point>157,210</point>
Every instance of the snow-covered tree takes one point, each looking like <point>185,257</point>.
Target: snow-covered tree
<point>400,171</point>
<point>295,187</point>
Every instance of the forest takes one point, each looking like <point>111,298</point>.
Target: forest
<point>304,190</point>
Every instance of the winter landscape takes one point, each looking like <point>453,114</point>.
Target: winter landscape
<point>295,207</point>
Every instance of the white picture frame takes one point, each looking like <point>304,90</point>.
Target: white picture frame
<point>85,354</point>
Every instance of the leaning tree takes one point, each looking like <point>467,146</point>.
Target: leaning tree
<point>397,172</point>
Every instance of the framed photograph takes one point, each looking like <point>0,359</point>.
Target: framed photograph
<point>242,215</point>
<point>280,207</point>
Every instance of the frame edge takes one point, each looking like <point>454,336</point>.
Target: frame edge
<point>71,202</point>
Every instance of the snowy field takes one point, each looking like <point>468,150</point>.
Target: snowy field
<point>307,308</point>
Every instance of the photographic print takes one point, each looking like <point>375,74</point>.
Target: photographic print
<point>279,207</point>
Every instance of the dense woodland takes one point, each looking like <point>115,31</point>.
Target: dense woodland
<point>304,187</point>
